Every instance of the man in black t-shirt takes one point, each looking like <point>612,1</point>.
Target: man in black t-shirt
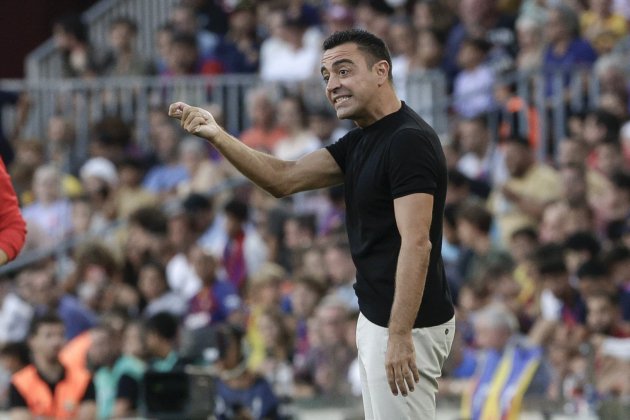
<point>394,172</point>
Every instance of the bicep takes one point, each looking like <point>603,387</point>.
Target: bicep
<point>317,169</point>
<point>414,213</point>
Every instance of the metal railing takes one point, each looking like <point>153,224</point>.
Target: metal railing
<point>45,61</point>
<point>84,102</point>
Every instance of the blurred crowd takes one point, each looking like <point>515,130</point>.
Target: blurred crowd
<point>173,269</point>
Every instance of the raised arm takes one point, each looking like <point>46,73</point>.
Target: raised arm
<point>278,177</point>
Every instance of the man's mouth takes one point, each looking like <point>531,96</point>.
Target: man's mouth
<point>341,99</point>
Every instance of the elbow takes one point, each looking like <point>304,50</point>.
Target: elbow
<point>419,245</point>
<point>277,191</point>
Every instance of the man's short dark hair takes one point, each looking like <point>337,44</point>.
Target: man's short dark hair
<point>591,269</point>
<point>583,241</point>
<point>477,215</point>
<point>45,319</point>
<point>237,209</point>
<point>528,232</point>
<point>163,324</point>
<point>549,259</point>
<point>151,219</point>
<point>366,42</point>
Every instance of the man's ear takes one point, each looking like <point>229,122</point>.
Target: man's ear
<point>382,71</point>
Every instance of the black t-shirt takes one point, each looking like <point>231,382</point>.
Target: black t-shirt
<point>16,400</point>
<point>396,156</point>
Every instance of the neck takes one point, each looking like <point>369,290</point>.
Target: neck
<point>561,46</point>
<point>163,351</point>
<point>388,103</point>
<point>51,369</point>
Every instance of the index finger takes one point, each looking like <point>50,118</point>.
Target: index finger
<point>176,110</point>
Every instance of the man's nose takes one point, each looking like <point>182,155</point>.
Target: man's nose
<point>332,84</point>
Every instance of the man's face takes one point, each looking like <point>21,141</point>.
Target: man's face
<point>350,82</point>
<point>48,341</point>
<point>600,314</point>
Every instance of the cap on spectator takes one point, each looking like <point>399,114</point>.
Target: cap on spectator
<point>101,168</point>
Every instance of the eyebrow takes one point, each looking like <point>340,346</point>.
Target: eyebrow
<point>337,63</point>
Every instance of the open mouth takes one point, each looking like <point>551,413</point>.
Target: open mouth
<point>341,99</point>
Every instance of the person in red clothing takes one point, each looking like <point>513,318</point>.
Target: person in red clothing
<point>12,225</point>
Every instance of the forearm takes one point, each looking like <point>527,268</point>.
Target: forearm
<point>411,274</point>
<point>266,171</point>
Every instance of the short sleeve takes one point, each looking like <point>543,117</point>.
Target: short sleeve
<point>339,149</point>
<point>413,164</point>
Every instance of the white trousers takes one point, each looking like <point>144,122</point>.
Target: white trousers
<point>432,346</point>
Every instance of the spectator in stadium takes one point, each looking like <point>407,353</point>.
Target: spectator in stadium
<point>163,39</point>
<point>12,225</point>
<point>240,392</point>
<point>290,50</point>
<point>99,179</point>
<point>185,59</point>
<point>47,388</point>
<point>161,333</point>
<point>602,26</point>
<point>473,230</point>
<point>79,58</point>
<point>163,178</point>
<point>276,366</point>
<point>341,274</point>
<point>262,133</point>
<point>49,297</point>
<point>123,59</point>
<point>592,277</point>
<point>480,159</point>
<point>292,118</point>
<point>146,238</point>
<point>432,15</point>
<point>304,298</point>
<point>203,173</point>
<point>48,218</point>
<point>155,292</point>
<point>617,259</point>
<point>245,251</point>
<point>239,49</point>
<point>264,293</point>
<point>116,376</point>
<point>112,139</point>
<point>185,22</point>
<point>481,19</point>
<point>429,53</point>
<point>180,273</point>
<point>328,360</point>
<point>403,41</point>
<point>530,38</point>
<point>13,357</point>
<point>579,248</point>
<point>61,143</point>
<point>472,90</point>
<point>324,124</point>
<point>131,194</point>
<point>531,185</point>
<point>565,50</point>
<point>217,301</point>
<point>496,334</point>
